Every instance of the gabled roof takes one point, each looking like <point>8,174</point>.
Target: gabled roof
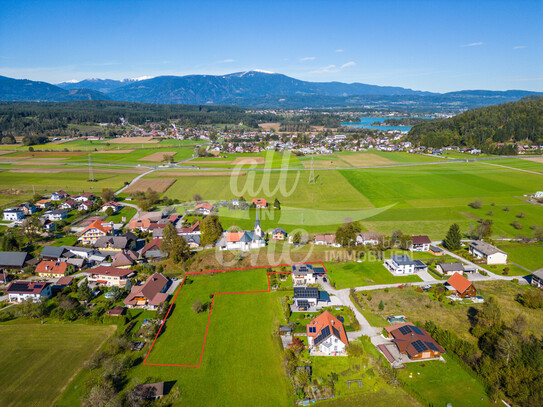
<point>155,243</point>
<point>52,267</point>
<point>485,248</point>
<point>422,239</point>
<point>114,242</point>
<point>110,271</point>
<point>279,230</point>
<point>302,269</point>
<point>326,325</point>
<point>97,224</point>
<point>413,340</point>
<point>329,239</point>
<point>151,290</point>
<point>204,205</point>
<point>459,282</point>
<point>52,251</point>
<point>448,267</point>
<point>26,287</point>
<point>13,259</point>
<point>124,258</point>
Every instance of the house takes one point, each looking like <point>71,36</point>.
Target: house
<point>436,251</point>
<point>93,232</point>
<point>43,203</point>
<point>420,243</point>
<point>68,205</point>
<point>368,238</point>
<point>62,282</point>
<point>260,203</point>
<point>51,268</point>
<point>192,240</point>
<point>308,297</point>
<point>142,224</point>
<point>414,342</point>
<point>59,195</point>
<point>403,264</point>
<point>448,269</point>
<point>194,229</point>
<point>152,250</point>
<point>150,294</point>
<point>485,251</point>
<point>125,259</point>
<point>303,274</point>
<point>56,215</point>
<point>114,243</point>
<point>28,208</point>
<point>116,311</point>
<point>109,276</point>
<point>47,225</point>
<point>279,234</point>
<point>328,240</point>
<point>326,334</point>
<point>461,286</point>
<point>85,197</point>
<point>244,240</point>
<point>84,206</point>
<point>114,206</point>
<point>14,214</point>
<point>203,208</point>
<point>537,278</point>
<point>20,291</point>
<point>151,390</point>
<point>14,260</point>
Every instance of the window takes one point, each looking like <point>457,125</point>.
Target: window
<point>312,329</point>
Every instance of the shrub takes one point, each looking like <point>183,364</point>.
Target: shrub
<point>521,215</point>
<point>517,225</point>
<point>477,204</point>
<point>506,209</point>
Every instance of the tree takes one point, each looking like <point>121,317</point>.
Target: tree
<point>483,229</point>
<point>107,195</point>
<point>31,228</point>
<point>277,204</point>
<point>84,292</point>
<point>109,211</point>
<point>115,292</point>
<point>173,244</point>
<point>381,306</point>
<point>346,233</point>
<point>9,242</point>
<point>197,197</point>
<point>477,204</point>
<point>197,306</point>
<point>490,314</point>
<point>297,237</point>
<point>453,238</point>
<point>211,229</point>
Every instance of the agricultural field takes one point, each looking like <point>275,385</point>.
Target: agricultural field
<point>527,163</point>
<point>33,348</point>
<point>159,185</point>
<point>526,255</point>
<point>229,365</point>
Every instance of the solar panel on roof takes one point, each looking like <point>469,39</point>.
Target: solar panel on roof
<point>336,333</point>
<point>404,330</point>
<point>323,335</point>
<point>417,330</point>
<point>432,346</point>
<point>419,346</point>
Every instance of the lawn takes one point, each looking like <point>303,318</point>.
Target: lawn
<point>238,344</point>
<point>441,383</point>
<point>346,275</point>
<point>42,359</point>
<point>527,255</point>
<point>127,212</point>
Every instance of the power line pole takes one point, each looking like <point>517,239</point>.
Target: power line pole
<point>91,173</point>
<point>311,172</point>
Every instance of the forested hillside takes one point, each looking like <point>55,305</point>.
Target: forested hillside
<point>486,127</point>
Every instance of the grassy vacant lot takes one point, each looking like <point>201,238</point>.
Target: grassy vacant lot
<point>526,255</point>
<point>241,355</point>
<point>441,383</point>
<point>40,360</point>
<point>346,275</point>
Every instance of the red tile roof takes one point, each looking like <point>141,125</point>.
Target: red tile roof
<point>110,271</point>
<point>327,319</point>
<point>97,224</point>
<point>405,341</point>
<point>459,282</point>
<point>26,287</point>
<point>204,205</point>
<point>423,239</point>
<point>152,244</point>
<point>51,267</point>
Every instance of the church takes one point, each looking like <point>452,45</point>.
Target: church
<point>243,240</point>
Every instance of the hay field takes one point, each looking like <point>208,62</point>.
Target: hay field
<point>198,173</point>
<point>158,157</point>
<point>366,160</point>
<point>117,151</point>
<point>249,161</point>
<point>269,126</point>
<point>159,185</point>
<point>534,159</point>
<point>133,140</point>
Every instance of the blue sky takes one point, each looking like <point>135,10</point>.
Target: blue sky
<point>428,45</point>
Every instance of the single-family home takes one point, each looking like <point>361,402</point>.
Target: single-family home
<point>192,240</point>
<point>420,243</point>
<point>260,203</point>
<point>43,203</point>
<point>309,297</point>
<point>85,197</point>
<point>150,294</point>
<point>414,342</point>
<point>279,234</point>
<point>461,286</point>
<point>56,215</point>
<point>84,206</point>
<point>403,264</point>
<point>109,276</point>
<point>28,208</point>
<point>59,195</point>
<point>116,311</point>
<point>51,268</point>
<point>142,224</point>
<point>328,240</point>
<point>93,232</point>
<point>368,238</point>
<point>15,261</point>
<point>68,205</point>
<point>125,259</point>
<point>20,291</point>
<point>448,269</point>
<point>204,208</point>
<point>303,274</point>
<point>14,214</point>
<point>190,230</point>
<point>537,278</point>
<point>488,253</point>
<point>114,243</point>
<point>326,335</point>
<point>114,206</point>
<point>62,282</point>
<point>152,250</point>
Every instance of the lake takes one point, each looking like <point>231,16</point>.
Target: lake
<point>366,122</point>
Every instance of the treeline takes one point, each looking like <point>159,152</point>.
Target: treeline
<point>404,121</point>
<point>485,127</point>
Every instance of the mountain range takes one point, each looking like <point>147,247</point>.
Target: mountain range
<point>249,89</point>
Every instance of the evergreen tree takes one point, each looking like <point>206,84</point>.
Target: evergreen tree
<point>453,238</point>
<point>211,230</point>
<point>173,244</point>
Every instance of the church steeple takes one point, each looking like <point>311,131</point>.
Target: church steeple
<point>258,228</point>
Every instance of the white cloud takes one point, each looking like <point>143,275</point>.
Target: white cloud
<point>307,59</point>
<point>339,50</point>
<point>327,69</point>
<point>348,64</point>
<point>227,61</point>
<point>519,46</point>
<point>473,44</point>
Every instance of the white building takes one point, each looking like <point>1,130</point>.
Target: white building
<point>490,254</point>
<point>14,214</point>
<point>403,264</point>
<point>244,240</point>
<point>20,291</point>
<point>326,335</point>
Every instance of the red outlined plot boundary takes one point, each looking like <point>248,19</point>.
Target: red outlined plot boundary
<point>213,299</point>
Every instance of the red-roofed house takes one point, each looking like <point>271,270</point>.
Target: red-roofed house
<point>325,334</point>
<point>110,276</point>
<point>260,202</point>
<point>20,291</point>
<point>150,294</point>
<point>194,229</point>
<point>152,250</point>
<point>141,224</point>
<point>115,207</point>
<point>461,286</point>
<point>204,208</point>
<point>93,232</point>
<point>420,243</point>
<point>51,268</point>
<point>413,341</point>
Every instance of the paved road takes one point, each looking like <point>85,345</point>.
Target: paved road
<point>134,180</point>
